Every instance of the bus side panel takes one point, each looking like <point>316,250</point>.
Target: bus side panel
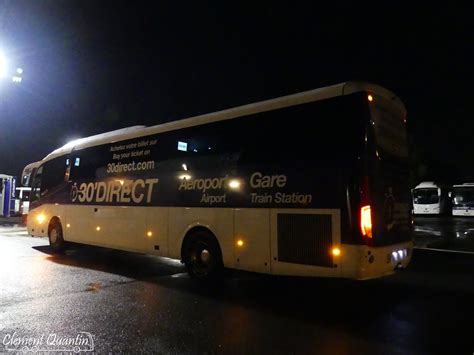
<point>121,227</point>
<point>78,225</point>
<point>220,221</point>
<point>252,228</point>
<point>156,240</point>
<point>125,228</point>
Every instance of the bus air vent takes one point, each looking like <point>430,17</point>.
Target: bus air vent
<point>305,239</point>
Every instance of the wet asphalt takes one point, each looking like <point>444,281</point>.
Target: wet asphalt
<point>133,303</point>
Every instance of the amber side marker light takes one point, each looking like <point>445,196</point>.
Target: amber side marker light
<point>240,243</point>
<point>336,251</point>
<point>366,221</point>
<point>370,98</point>
<point>40,218</point>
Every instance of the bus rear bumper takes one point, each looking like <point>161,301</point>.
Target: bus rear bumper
<point>374,262</point>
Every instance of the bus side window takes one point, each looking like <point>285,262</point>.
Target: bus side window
<point>48,177</point>
<point>86,164</point>
<point>36,184</point>
<point>53,173</point>
<point>67,175</point>
<point>211,146</point>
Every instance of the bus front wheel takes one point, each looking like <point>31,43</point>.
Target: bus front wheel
<point>202,257</point>
<point>55,234</point>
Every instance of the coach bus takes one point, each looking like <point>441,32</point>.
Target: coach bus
<point>28,172</point>
<point>310,184</point>
<point>430,198</point>
<point>463,199</point>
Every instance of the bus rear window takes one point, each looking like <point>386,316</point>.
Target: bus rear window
<point>390,130</point>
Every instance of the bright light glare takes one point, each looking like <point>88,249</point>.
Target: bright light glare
<point>370,98</point>
<point>17,79</point>
<point>97,228</point>
<point>149,233</point>
<point>185,167</point>
<point>72,143</point>
<point>19,70</point>
<point>185,177</point>
<point>240,243</point>
<point>336,251</point>
<point>234,184</point>
<point>366,221</point>
<point>40,218</point>
<point>3,66</point>
<point>400,254</point>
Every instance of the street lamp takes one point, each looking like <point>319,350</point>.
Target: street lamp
<point>3,66</point>
<point>4,73</point>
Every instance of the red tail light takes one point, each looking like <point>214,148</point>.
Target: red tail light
<point>366,221</point>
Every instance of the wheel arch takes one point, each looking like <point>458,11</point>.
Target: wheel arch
<point>192,230</point>
<point>53,221</point>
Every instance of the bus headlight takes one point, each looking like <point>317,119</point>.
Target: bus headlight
<point>40,218</point>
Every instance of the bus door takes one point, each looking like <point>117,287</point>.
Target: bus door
<point>79,222</point>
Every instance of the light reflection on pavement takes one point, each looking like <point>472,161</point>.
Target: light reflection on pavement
<point>452,233</point>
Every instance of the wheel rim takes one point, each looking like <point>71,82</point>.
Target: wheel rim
<point>201,259</point>
<point>53,235</point>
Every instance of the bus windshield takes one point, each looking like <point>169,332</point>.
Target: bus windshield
<point>463,196</point>
<point>425,196</point>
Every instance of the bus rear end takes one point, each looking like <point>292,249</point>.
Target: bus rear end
<point>383,213</point>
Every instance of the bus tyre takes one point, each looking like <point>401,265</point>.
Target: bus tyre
<point>203,258</point>
<point>55,234</point>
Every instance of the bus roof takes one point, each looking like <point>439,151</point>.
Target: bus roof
<point>466,184</point>
<point>327,92</point>
<point>31,166</point>
<point>426,184</point>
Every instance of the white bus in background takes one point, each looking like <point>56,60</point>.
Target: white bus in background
<point>431,199</point>
<point>310,184</point>
<point>28,173</point>
<point>23,196</point>
<point>463,199</point>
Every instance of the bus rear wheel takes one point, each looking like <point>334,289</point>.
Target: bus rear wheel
<point>203,258</point>
<point>55,234</point>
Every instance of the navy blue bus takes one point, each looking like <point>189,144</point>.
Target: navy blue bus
<point>310,184</point>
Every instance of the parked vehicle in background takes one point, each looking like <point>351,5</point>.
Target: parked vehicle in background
<point>431,198</point>
<point>8,202</point>
<point>28,172</point>
<point>23,197</point>
<point>463,199</point>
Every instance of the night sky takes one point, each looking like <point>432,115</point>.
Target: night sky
<point>92,66</point>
